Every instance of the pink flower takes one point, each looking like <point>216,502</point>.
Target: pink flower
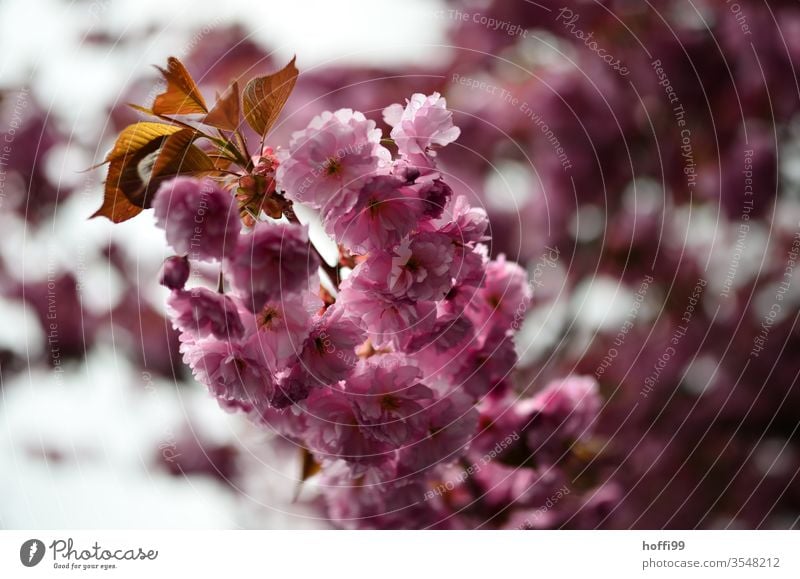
<point>354,506</point>
<point>233,372</point>
<point>452,423</point>
<point>201,312</point>
<point>562,413</point>
<point>329,161</point>
<point>469,269</point>
<point>469,265</point>
<point>450,331</point>
<point>280,421</point>
<point>385,211</point>
<point>499,420</point>
<point>292,386</point>
<point>435,195</point>
<point>334,431</point>
<point>487,364</point>
<point>386,318</point>
<point>271,261</point>
<point>329,352</point>
<point>464,223</point>
<point>389,504</point>
<point>407,172</point>
<point>386,391</point>
<point>428,184</point>
<point>507,485</point>
<point>284,325</point>
<point>466,227</point>
<point>421,270</point>
<point>505,295</point>
<point>199,218</point>
<point>421,125</point>
<point>266,164</point>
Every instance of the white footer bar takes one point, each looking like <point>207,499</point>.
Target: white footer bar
<point>396,554</point>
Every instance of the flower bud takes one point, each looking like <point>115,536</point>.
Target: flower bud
<point>175,272</point>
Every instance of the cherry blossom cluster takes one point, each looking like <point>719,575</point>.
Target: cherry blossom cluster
<point>380,378</point>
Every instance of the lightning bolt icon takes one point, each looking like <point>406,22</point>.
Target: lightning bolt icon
<point>34,548</point>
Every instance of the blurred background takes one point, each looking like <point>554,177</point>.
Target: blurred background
<point>640,158</point>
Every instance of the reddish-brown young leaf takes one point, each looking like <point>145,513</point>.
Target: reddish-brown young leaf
<point>221,162</point>
<point>134,143</point>
<point>141,109</point>
<point>264,96</point>
<point>116,206</point>
<point>137,178</point>
<point>122,186</point>
<point>145,155</point>
<point>182,96</point>
<point>177,155</point>
<point>225,113</point>
<point>137,136</point>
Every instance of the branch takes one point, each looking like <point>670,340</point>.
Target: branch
<point>331,270</point>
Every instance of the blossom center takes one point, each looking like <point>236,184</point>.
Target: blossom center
<point>333,167</point>
<point>374,207</point>
<point>390,403</point>
<point>413,264</point>
<point>240,364</point>
<point>268,316</point>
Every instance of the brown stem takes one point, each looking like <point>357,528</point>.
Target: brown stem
<point>331,270</point>
<point>243,144</point>
<point>238,157</point>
